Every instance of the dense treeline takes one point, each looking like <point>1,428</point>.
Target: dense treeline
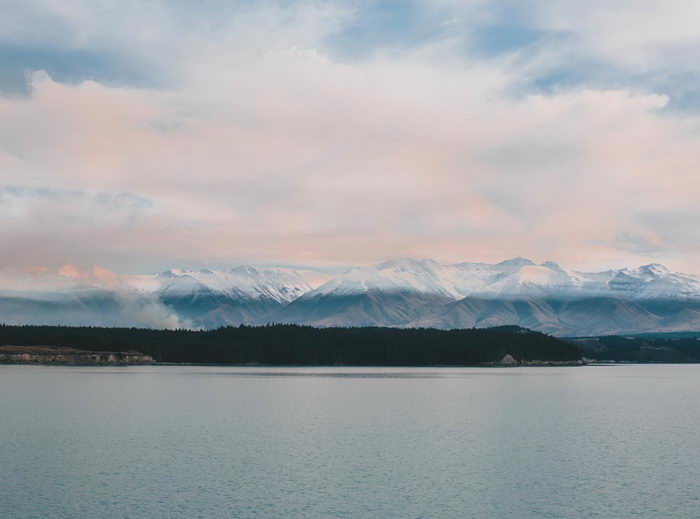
<point>672,348</point>
<point>293,344</point>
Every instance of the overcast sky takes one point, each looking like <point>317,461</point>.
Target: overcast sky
<point>138,135</point>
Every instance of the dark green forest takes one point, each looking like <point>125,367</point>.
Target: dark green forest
<point>306,345</point>
<point>681,347</point>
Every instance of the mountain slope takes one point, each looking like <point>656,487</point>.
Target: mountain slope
<point>234,296</point>
<point>399,293</point>
<point>371,308</point>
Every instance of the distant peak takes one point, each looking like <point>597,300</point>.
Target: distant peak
<point>655,266</point>
<point>551,265</point>
<point>516,262</point>
<point>654,269</point>
<point>248,269</point>
<point>401,262</point>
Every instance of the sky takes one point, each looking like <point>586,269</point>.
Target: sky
<point>141,135</point>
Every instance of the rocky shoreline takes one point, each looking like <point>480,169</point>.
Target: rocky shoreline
<point>55,355</point>
<point>509,360</point>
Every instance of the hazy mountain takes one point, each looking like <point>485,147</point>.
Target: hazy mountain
<point>403,293</point>
<point>212,298</point>
<point>174,298</point>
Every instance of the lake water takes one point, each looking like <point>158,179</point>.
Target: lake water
<point>186,442</point>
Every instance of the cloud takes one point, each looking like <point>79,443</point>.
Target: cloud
<point>143,312</point>
<point>255,139</point>
<point>94,296</point>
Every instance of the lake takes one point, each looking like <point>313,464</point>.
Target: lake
<point>257,442</point>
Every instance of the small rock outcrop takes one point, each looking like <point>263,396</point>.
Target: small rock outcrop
<point>508,360</point>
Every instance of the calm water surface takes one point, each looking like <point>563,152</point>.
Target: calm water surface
<point>186,442</point>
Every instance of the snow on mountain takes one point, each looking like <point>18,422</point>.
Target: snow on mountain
<point>403,292</point>
<point>282,285</point>
<point>545,297</point>
<point>423,276</point>
<point>80,297</point>
<point>509,278</point>
<point>530,279</point>
<point>454,281</point>
<point>515,263</point>
<point>654,281</point>
<point>514,277</point>
<point>177,297</point>
<point>240,295</point>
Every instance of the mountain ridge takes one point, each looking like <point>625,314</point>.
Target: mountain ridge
<point>400,293</point>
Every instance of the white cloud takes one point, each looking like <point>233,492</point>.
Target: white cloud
<point>640,34</point>
<point>267,149</point>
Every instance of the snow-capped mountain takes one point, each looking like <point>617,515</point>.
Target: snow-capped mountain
<point>246,283</point>
<point>211,298</point>
<point>511,278</point>
<point>544,297</point>
<point>404,292</point>
<point>182,297</point>
<point>654,281</point>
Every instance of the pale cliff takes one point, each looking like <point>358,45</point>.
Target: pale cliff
<point>70,356</point>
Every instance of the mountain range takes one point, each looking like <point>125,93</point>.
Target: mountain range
<point>401,293</point>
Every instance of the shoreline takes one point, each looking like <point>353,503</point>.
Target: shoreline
<point>64,356</point>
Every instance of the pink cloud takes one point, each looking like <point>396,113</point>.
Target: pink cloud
<point>275,152</point>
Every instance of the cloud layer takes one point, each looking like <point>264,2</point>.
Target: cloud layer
<point>328,134</point>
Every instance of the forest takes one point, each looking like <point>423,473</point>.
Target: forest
<point>305,345</point>
<point>671,347</point>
